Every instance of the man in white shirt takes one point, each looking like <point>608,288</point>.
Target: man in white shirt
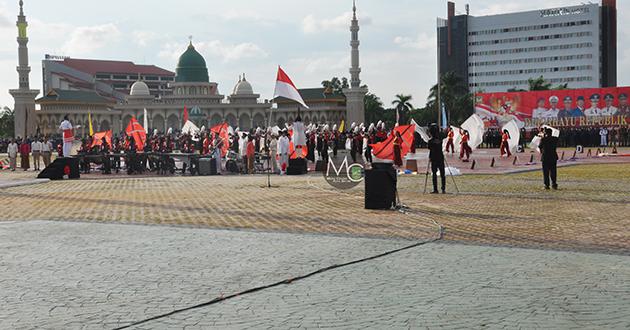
<point>242,149</point>
<point>46,151</point>
<point>553,111</point>
<point>540,111</point>
<point>299,137</point>
<point>603,134</point>
<point>12,150</point>
<point>36,150</point>
<point>283,151</point>
<point>609,109</point>
<point>68,136</point>
<point>594,110</point>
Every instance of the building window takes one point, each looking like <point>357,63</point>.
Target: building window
<point>120,77</point>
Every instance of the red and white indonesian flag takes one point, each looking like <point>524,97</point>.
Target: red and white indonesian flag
<point>286,88</point>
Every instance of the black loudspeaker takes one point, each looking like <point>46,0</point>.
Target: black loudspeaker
<point>380,187</point>
<point>57,169</point>
<point>207,166</point>
<point>297,166</point>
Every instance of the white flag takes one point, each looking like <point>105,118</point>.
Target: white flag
<point>476,128</point>
<point>515,136</point>
<point>146,122</point>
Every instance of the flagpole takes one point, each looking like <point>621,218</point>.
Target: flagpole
<point>439,108</point>
<point>269,126</point>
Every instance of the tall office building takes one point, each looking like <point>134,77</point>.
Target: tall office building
<point>576,45</point>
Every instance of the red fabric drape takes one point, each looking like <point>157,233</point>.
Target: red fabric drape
<point>385,149</point>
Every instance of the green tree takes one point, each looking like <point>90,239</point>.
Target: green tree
<point>336,85</point>
<point>374,110</point>
<point>402,104</point>
<point>455,97</point>
<point>538,84</point>
<point>7,119</point>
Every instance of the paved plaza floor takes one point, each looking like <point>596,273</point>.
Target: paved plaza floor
<point>114,252</point>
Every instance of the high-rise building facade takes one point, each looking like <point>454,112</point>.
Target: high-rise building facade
<point>575,45</point>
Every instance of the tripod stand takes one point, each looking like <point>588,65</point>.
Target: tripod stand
<point>426,177</point>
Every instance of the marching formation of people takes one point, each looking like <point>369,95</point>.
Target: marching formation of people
<point>570,137</point>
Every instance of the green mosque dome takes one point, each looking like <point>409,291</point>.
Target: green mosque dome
<point>191,67</point>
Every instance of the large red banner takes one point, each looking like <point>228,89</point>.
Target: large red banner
<point>562,108</point>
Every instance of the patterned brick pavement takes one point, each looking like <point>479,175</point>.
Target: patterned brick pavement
<point>589,213</point>
<point>58,274</point>
<point>62,275</point>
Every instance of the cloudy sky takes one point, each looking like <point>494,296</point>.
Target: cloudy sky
<point>308,38</point>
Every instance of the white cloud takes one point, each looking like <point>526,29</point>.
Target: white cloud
<point>311,24</point>
<point>422,42</point>
<point>143,38</point>
<point>216,48</point>
<point>87,39</point>
<point>248,16</point>
<point>5,21</point>
<point>322,65</point>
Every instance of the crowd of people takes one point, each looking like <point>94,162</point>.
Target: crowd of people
<point>39,149</point>
<point>252,151</point>
<point>257,149</point>
<point>570,137</point>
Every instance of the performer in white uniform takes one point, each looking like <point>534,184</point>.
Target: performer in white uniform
<point>283,151</point>
<point>299,137</point>
<point>68,136</point>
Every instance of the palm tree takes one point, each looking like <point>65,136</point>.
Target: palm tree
<point>336,85</point>
<point>403,106</point>
<point>454,96</point>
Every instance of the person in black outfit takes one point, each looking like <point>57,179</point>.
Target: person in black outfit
<point>549,156</point>
<point>436,157</point>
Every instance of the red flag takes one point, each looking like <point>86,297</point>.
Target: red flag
<point>286,88</point>
<point>385,149</point>
<point>98,137</point>
<point>185,116</point>
<point>137,132</point>
<point>222,131</point>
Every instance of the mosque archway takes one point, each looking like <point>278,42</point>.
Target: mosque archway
<point>215,119</point>
<point>158,123</point>
<point>231,120</point>
<point>105,126</point>
<point>244,122</point>
<point>173,122</point>
<point>259,120</point>
<point>281,122</point>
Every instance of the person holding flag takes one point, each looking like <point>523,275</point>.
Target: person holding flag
<point>505,147</point>
<point>449,142</point>
<point>286,88</point>
<point>465,149</point>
